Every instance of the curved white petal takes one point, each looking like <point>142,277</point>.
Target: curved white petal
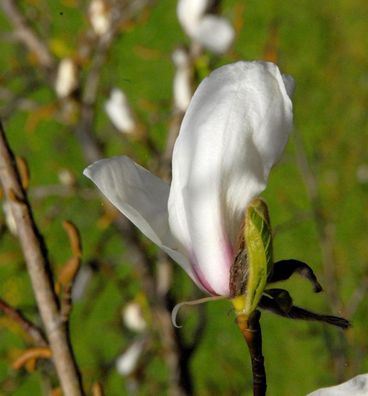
<point>234,130</point>
<point>139,195</point>
<point>214,33</point>
<point>357,386</point>
<point>142,198</point>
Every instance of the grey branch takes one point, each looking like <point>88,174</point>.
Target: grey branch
<point>25,33</point>
<point>38,266</point>
<point>29,328</point>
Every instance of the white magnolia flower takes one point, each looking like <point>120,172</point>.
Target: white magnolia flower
<point>133,317</point>
<point>190,13</point>
<point>119,111</point>
<point>66,78</point>
<point>66,177</point>
<point>214,33</point>
<point>357,386</point>
<point>233,132</point>
<point>81,282</point>
<point>211,31</point>
<point>362,173</point>
<point>127,362</point>
<point>99,16</point>
<point>182,85</point>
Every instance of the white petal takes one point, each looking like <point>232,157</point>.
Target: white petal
<point>190,12</point>
<point>127,362</point>
<point>234,130</point>
<point>214,33</point>
<point>119,111</point>
<point>133,317</point>
<point>181,58</point>
<point>182,88</point>
<point>142,198</point>
<point>182,84</point>
<point>99,16</point>
<point>67,78</point>
<point>139,195</point>
<point>81,282</point>
<point>357,386</point>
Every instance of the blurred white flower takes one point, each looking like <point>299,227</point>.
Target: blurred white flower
<point>182,85</point>
<point>357,386</point>
<point>133,317</point>
<point>127,362</point>
<point>190,13</point>
<point>362,173</point>
<point>66,78</point>
<point>9,218</point>
<point>99,16</point>
<point>66,177</point>
<point>119,111</point>
<point>81,282</point>
<point>215,33</point>
<point>211,31</point>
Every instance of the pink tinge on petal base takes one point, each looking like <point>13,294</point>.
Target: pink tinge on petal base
<point>216,283</point>
<point>202,280</point>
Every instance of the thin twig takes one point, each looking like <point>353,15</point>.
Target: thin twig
<point>26,34</point>
<point>325,233</point>
<point>323,227</point>
<point>29,328</point>
<point>358,296</point>
<point>35,254</point>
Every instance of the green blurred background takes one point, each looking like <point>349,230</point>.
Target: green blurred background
<point>318,194</point>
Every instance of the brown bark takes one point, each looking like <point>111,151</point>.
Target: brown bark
<point>38,266</point>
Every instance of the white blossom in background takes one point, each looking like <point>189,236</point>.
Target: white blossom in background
<point>9,218</point>
<point>81,282</point>
<point>190,13</point>
<point>119,111</point>
<point>234,131</point>
<point>182,85</point>
<point>127,362</point>
<point>99,16</point>
<point>211,31</point>
<point>357,386</point>
<point>66,177</point>
<point>133,317</point>
<point>362,173</point>
<point>215,33</point>
<point>66,78</point>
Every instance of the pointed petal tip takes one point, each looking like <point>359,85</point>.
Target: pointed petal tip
<point>87,171</point>
<point>91,169</point>
<point>175,311</point>
<point>174,314</point>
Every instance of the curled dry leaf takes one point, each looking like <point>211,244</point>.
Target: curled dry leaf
<point>30,355</point>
